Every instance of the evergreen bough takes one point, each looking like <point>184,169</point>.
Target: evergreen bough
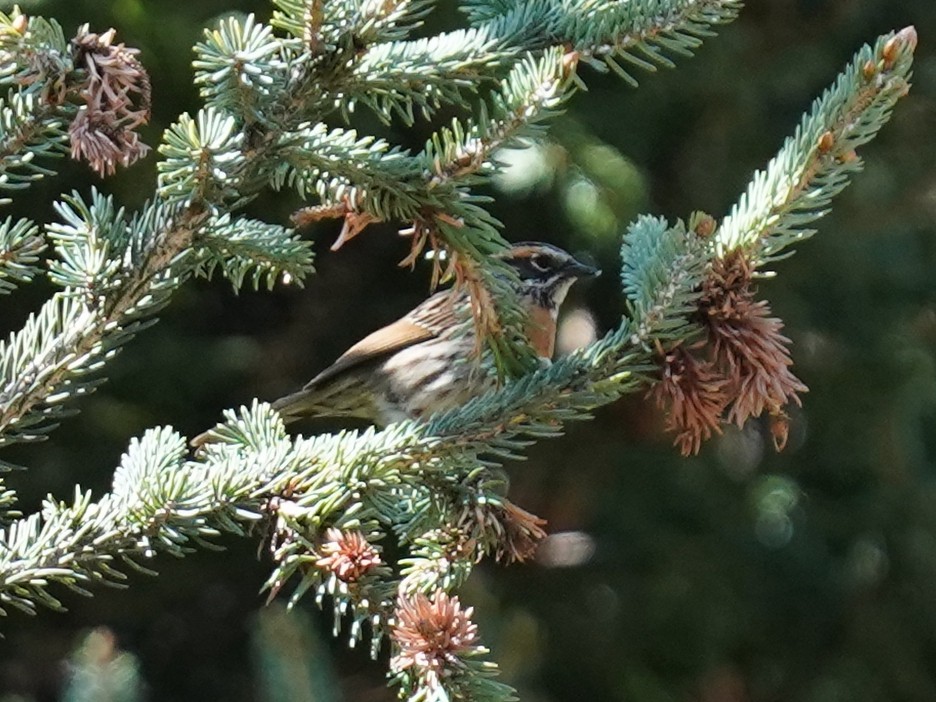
<point>691,329</point>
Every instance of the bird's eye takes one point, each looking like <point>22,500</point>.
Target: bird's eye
<point>540,262</point>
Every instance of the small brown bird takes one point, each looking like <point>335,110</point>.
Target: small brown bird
<point>422,363</point>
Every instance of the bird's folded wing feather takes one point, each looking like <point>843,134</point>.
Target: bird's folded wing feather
<point>423,323</point>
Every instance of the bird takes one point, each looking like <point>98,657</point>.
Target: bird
<point>423,362</point>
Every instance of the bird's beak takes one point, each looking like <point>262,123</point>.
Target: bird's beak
<point>583,270</point>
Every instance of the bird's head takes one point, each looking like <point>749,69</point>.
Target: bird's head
<point>546,272</point>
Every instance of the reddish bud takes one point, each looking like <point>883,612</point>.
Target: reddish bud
<point>779,429</point>
<point>705,226</point>
<point>848,156</point>
<point>908,35</point>
<point>905,38</point>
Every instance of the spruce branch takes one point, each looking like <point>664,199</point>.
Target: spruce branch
<point>204,161</point>
<point>362,54</point>
<point>739,366</point>
<point>96,87</point>
<point>392,76</point>
<point>34,53</point>
<point>353,175</point>
<point>8,511</point>
<point>20,247</point>
<point>155,505</point>
<point>348,22</point>
<point>447,216</point>
<point>243,248</point>
<point>118,273</point>
<point>239,65</point>
<point>47,362</point>
<point>392,79</point>
<point>89,242</point>
<point>241,61</point>
<point>529,95</point>
<point>29,130</point>
<point>353,172</point>
<point>158,503</point>
<point>367,181</point>
<point>34,61</point>
<point>819,159</point>
<point>650,30</point>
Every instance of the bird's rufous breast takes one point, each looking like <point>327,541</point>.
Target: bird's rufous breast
<point>541,331</point>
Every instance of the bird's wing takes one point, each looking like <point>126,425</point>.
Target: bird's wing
<point>425,322</point>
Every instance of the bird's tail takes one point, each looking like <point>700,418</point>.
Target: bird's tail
<point>344,397</point>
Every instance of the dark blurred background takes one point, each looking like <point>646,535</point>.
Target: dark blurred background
<point>738,575</point>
